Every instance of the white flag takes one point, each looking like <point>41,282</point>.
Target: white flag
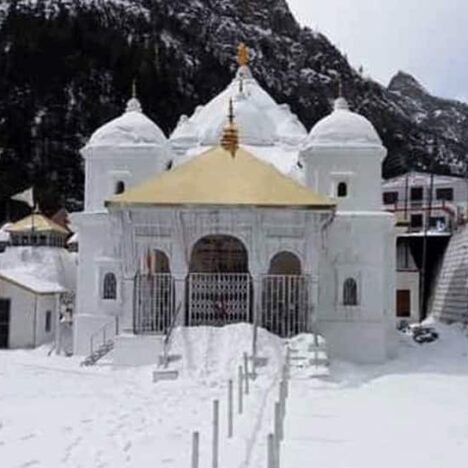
<point>25,197</point>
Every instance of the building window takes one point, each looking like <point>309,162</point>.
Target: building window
<point>342,190</point>
<point>109,290</point>
<point>390,198</point>
<point>403,303</point>
<point>48,321</point>
<point>417,221</point>
<point>417,194</point>
<point>119,187</point>
<point>438,222</point>
<point>445,194</point>
<point>350,292</point>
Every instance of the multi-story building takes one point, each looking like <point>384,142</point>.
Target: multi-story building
<point>428,209</point>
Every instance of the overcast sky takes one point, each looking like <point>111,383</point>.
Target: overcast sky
<point>427,38</point>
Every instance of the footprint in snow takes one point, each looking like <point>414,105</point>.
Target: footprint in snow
<point>29,463</point>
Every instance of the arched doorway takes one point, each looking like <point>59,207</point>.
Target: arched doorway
<point>219,286</point>
<point>285,296</point>
<point>154,294</point>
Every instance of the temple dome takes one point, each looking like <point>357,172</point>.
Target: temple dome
<point>255,127</point>
<point>132,128</point>
<point>261,121</point>
<point>344,128</point>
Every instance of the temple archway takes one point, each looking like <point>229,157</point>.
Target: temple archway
<point>219,286</point>
<point>285,296</point>
<point>154,294</point>
<point>285,263</point>
<point>219,254</point>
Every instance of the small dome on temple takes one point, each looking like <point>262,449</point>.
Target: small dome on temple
<point>344,128</point>
<point>132,128</point>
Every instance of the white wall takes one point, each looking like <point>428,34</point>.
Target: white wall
<point>359,168</point>
<point>28,316</point>
<point>104,166</point>
<point>360,246</point>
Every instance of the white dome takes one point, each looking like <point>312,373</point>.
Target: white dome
<point>261,121</point>
<point>344,128</point>
<point>132,128</point>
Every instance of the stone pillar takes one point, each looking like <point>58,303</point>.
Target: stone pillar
<point>180,281</point>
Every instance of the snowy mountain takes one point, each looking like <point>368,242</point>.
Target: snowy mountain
<point>66,67</point>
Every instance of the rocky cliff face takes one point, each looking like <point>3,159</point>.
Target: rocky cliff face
<point>66,67</point>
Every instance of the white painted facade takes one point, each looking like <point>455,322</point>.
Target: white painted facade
<point>29,325</point>
<point>356,241</point>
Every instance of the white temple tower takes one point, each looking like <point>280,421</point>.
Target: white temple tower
<point>343,158</point>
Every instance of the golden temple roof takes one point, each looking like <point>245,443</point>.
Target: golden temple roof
<point>216,178</point>
<point>39,223</point>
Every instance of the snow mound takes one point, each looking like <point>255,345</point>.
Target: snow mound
<point>214,354</point>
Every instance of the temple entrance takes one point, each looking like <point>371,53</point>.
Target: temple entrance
<point>285,308</point>
<point>154,295</point>
<point>219,286</point>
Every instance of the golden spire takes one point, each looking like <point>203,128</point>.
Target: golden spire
<point>242,55</point>
<point>134,89</point>
<point>230,137</point>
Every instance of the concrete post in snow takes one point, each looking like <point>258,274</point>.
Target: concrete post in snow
<point>241,391</point>
<point>271,462</point>
<point>196,450</point>
<point>230,406</point>
<point>246,373</point>
<point>215,452</point>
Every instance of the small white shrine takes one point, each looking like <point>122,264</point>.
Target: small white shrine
<point>239,216</point>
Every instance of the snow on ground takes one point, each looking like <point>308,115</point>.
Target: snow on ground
<point>410,412</point>
<point>53,413</point>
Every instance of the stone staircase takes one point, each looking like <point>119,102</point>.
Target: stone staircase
<point>450,303</point>
<point>308,357</point>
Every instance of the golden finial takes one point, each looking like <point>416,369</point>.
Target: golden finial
<point>242,55</point>
<point>134,89</point>
<point>230,137</point>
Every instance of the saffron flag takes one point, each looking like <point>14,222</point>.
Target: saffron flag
<point>25,197</point>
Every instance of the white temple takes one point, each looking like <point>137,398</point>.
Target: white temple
<point>239,217</point>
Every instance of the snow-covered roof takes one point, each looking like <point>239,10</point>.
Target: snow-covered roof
<point>132,128</point>
<point>49,264</point>
<point>421,178</point>
<point>343,128</point>
<point>26,280</point>
<point>261,121</point>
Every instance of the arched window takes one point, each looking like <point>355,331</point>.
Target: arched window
<point>342,190</point>
<point>109,288</point>
<point>350,292</point>
<point>119,187</point>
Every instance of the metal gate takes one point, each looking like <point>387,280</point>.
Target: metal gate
<point>154,303</point>
<point>217,299</point>
<point>285,304</point>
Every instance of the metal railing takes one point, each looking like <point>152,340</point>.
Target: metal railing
<point>101,337</point>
